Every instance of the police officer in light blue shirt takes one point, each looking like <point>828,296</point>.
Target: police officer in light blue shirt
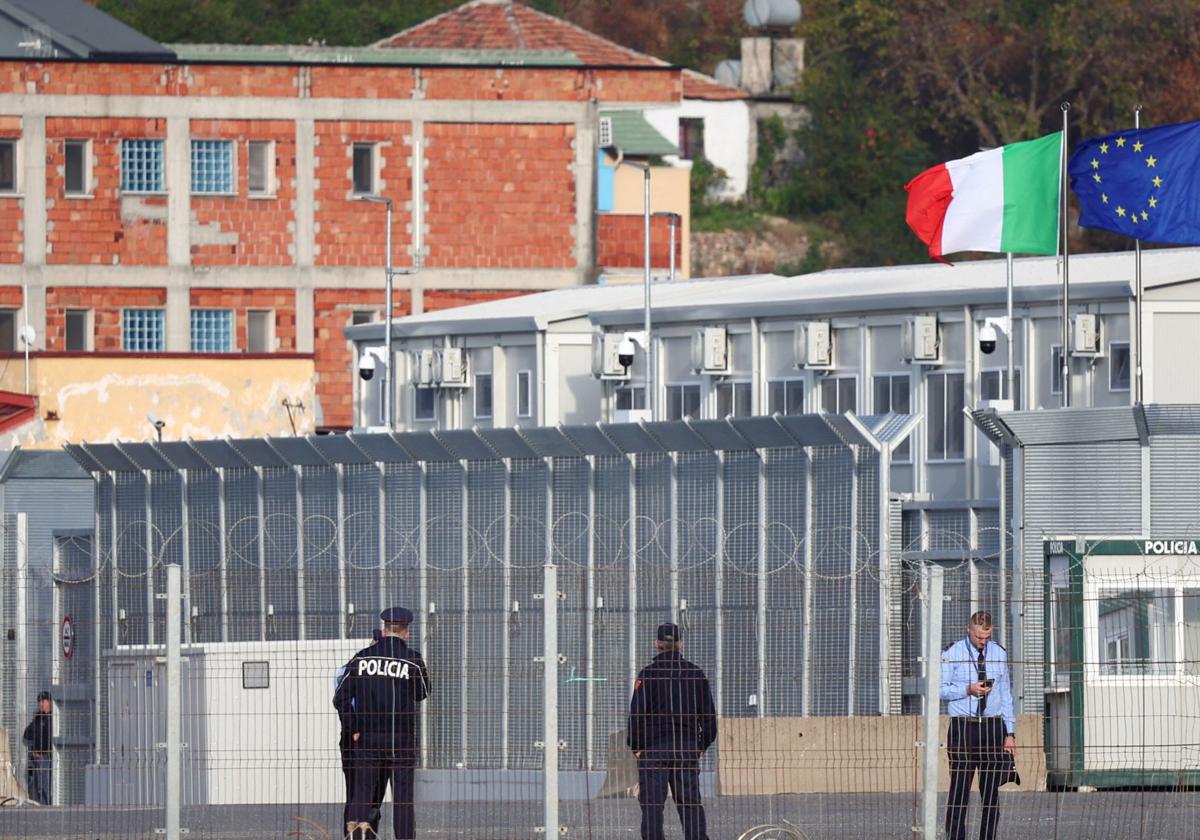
<point>978,690</point>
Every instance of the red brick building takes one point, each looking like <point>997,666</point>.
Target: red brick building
<point>211,204</point>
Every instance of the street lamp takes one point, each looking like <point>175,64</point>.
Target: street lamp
<point>651,396</point>
<point>673,219</point>
<point>388,383</point>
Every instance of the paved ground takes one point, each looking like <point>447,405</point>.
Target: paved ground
<point>1026,816</point>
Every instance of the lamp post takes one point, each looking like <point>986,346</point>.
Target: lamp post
<point>651,395</point>
<point>673,220</point>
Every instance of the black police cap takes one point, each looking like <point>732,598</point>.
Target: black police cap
<point>44,695</point>
<point>396,615</point>
<point>668,633</point>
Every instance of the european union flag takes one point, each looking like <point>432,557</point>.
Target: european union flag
<point>1142,183</point>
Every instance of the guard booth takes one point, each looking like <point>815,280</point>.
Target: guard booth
<point>1122,654</point>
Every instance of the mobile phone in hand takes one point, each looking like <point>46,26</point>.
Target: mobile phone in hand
<point>987,683</point>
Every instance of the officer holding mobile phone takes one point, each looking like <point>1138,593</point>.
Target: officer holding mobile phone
<point>978,689</point>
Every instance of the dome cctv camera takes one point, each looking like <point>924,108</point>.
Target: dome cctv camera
<point>987,338</point>
<point>366,366</point>
<point>625,352</point>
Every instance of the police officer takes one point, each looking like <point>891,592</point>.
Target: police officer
<point>977,686</point>
<point>346,744</point>
<point>378,699</point>
<point>37,738</point>
<point>671,723</point>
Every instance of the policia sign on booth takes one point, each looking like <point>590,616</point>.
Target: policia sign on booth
<point>1122,659</point>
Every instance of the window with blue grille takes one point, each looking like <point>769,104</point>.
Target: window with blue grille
<point>212,330</point>
<point>212,166</point>
<point>142,330</point>
<point>142,166</point>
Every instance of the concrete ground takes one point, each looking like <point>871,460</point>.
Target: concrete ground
<point>1025,816</point>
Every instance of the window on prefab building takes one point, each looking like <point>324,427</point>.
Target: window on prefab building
<point>1056,379</point>
<point>946,424</point>
<point>893,392</point>
<point>143,330</point>
<point>785,396</point>
<point>631,398</point>
<point>364,168</point>
<point>260,179</point>
<point>79,329</point>
<point>212,330</point>
<point>483,396</point>
<point>8,165</point>
<point>8,330</point>
<point>259,326</point>
<point>212,166</point>
<point>524,393</point>
<point>75,169</point>
<point>142,166</point>
<point>424,404</point>
<point>683,401</point>
<point>733,399</point>
<point>1118,366</point>
<point>993,385</point>
<point>839,394</point>
<point>691,138</point>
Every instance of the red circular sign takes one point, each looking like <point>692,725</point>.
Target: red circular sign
<point>68,637</point>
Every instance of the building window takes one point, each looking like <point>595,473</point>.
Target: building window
<point>524,393</point>
<point>733,399</point>
<point>993,385</point>
<point>839,394</point>
<point>260,324</point>
<point>946,423</point>
<point>8,166</point>
<point>142,330</point>
<point>683,402</point>
<point>1137,631</point>
<point>260,179</point>
<point>483,396</point>
<point>362,316</point>
<point>893,392</point>
<point>212,166</point>
<point>785,396</point>
<point>142,166</point>
<point>79,329</point>
<point>631,398</point>
<point>691,138</point>
<point>1118,366</point>
<point>256,675</point>
<point>212,330</point>
<point>364,168</point>
<point>1055,369</point>
<point>8,330</point>
<point>76,156</point>
<point>424,405</point>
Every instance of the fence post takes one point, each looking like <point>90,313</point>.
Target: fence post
<point>174,702</point>
<point>932,575</point>
<point>550,697</point>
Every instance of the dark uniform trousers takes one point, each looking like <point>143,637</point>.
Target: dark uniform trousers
<point>679,771</point>
<point>349,759</point>
<point>383,759</point>
<point>974,744</point>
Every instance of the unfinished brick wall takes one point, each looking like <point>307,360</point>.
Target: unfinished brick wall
<point>620,241</point>
<point>105,303</point>
<point>349,231</point>
<point>435,299</point>
<point>238,229</point>
<point>333,310</point>
<point>12,209</point>
<point>105,227</point>
<point>500,195</point>
<point>281,301</point>
<point>11,297</point>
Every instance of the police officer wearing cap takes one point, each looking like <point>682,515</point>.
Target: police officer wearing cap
<point>978,689</point>
<point>378,699</point>
<point>671,723</point>
<point>346,746</point>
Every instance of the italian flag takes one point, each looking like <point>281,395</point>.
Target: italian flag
<point>1002,200</point>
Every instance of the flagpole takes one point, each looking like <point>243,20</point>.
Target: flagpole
<point>1065,354</point>
<point>1137,284</point>
<point>1012,394</point>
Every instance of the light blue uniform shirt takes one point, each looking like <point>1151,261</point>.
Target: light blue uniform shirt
<point>959,670</point>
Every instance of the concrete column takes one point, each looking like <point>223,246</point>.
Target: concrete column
<point>179,313</point>
<point>179,192</point>
<point>585,194</point>
<point>305,227</point>
<point>33,187</point>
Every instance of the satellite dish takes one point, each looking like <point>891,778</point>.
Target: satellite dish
<point>28,334</point>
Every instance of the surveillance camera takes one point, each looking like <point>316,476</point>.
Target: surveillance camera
<point>625,352</point>
<point>366,366</point>
<point>987,338</point>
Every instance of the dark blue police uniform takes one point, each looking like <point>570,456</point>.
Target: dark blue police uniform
<point>377,700</point>
<point>671,723</point>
